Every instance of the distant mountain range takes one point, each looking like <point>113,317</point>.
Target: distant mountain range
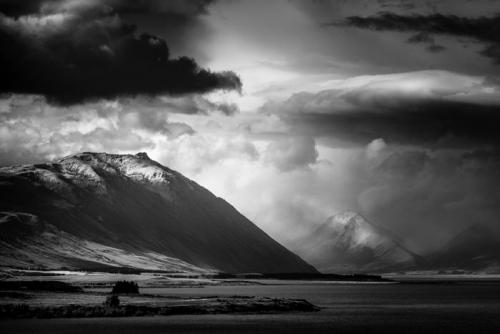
<point>106,211</point>
<point>349,243</point>
<point>98,211</point>
<point>475,249</point>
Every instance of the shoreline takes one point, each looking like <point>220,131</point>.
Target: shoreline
<point>212,305</point>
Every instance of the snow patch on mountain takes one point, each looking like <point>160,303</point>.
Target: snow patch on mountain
<point>99,208</point>
<point>348,243</point>
<point>137,167</point>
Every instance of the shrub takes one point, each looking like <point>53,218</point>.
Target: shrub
<point>125,287</point>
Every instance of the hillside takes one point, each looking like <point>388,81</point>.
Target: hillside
<point>474,250</point>
<point>94,209</point>
<point>348,243</point>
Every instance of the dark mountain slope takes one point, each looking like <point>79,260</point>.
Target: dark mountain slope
<point>134,204</point>
<point>348,243</point>
<point>475,249</point>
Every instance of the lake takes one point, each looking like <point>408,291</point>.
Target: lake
<point>461,307</point>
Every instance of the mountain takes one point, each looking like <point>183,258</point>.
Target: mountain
<point>348,243</point>
<point>95,210</point>
<point>475,249</point>
<point>27,242</point>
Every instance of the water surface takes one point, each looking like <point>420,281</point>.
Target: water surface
<point>347,308</point>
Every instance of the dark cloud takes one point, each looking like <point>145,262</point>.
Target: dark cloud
<point>401,4</point>
<point>431,196</point>
<point>175,7</point>
<point>435,48</point>
<point>426,38</point>
<point>483,29</point>
<point>362,115</point>
<point>405,164</point>
<point>421,37</point>
<point>227,109</point>
<point>184,8</point>
<point>17,8</point>
<point>186,104</point>
<point>193,104</point>
<point>71,53</point>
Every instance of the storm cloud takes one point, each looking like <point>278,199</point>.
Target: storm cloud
<point>178,7</point>
<point>482,29</point>
<point>392,115</point>
<point>74,52</point>
<point>430,196</point>
<point>431,108</point>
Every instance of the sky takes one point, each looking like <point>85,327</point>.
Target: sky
<point>291,110</point>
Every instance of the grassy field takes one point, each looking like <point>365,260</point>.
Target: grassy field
<point>86,295</point>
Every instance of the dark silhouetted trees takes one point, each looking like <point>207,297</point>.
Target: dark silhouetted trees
<point>125,287</point>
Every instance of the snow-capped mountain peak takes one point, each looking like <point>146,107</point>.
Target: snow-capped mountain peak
<point>138,167</point>
<point>127,206</point>
<point>347,242</point>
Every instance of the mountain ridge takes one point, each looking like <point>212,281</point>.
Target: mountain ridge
<point>132,203</point>
<point>474,249</point>
<point>349,243</point>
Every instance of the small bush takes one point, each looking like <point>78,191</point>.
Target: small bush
<point>125,287</point>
